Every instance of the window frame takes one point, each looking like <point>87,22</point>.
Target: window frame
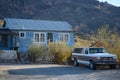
<point>39,41</point>
<point>21,33</point>
<point>63,35</point>
<point>35,37</point>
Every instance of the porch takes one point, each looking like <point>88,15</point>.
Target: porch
<point>7,39</point>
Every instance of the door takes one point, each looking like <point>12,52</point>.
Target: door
<point>50,37</point>
<point>3,40</point>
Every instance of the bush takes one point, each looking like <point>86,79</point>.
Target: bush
<point>46,55</point>
<point>34,52</point>
<point>37,51</point>
<point>60,51</point>
<point>56,52</point>
<point>116,50</point>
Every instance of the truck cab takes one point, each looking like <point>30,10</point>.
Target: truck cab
<point>94,57</point>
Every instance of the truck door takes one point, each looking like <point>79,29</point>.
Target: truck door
<point>86,52</point>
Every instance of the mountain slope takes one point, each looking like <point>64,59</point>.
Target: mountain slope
<point>83,15</point>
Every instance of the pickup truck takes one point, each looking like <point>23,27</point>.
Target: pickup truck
<point>93,57</point>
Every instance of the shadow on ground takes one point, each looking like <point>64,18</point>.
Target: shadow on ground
<point>62,70</point>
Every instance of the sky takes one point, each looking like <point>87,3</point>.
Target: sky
<point>113,2</point>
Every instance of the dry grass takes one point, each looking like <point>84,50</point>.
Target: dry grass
<point>82,42</point>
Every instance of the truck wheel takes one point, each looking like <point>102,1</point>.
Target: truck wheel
<point>76,63</point>
<point>112,66</point>
<point>92,65</point>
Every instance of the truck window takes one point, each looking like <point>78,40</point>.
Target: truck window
<point>96,50</point>
<point>78,50</point>
<point>86,51</point>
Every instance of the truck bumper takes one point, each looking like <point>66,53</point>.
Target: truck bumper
<point>106,63</point>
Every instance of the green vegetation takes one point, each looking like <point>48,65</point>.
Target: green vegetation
<point>33,52</point>
<point>60,51</point>
<point>56,52</point>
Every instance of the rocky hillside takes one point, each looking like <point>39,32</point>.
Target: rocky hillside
<point>83,15</point>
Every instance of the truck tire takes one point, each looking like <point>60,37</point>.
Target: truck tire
<point>92,65</point>
<point>112,66</point>
<point>76,63</point>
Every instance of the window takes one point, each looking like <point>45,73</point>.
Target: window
<point>86,51</point>
<point>64,37</point>
<point>36,37</point>
<point>78,50</point>
<point>40,37</point>
<point>97,50</point>
<point>22,34</point>
<point>61,37</point>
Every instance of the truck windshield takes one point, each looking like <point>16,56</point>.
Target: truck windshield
<point>97,50</point>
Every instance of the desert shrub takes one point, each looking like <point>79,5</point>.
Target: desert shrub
<point>60,51</point>
<point>37,51</point>
<point>34,52</point>
<point>115,49</point>
<point>46,55</point>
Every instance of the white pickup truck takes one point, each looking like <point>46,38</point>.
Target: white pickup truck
<point>93,57</point>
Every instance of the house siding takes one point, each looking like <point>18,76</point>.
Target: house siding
<point>71,43</point>
<point>24,43</point>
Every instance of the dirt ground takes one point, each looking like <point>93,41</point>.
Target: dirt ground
<point>55,72</point>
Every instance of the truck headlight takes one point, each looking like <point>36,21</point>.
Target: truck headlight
<point>115,57</point>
